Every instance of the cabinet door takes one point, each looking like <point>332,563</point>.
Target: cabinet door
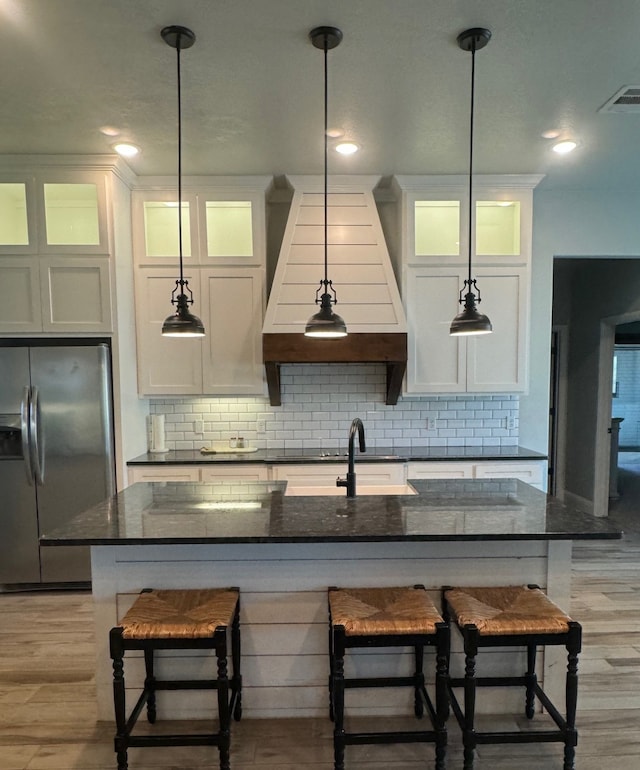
<point>155,228</point>
<point>232,348</point>
<point>532,471</point>
<point>163,473</point>
<point>17,215</point>
<point>20,309</point>
<point>229,235</point>
<point>228,472</point>
<point>440,470</point>
<point>166,365</point>
<point>502,225</point>
<point>497,362</point>
<point>436,361</point>
<point>72,212</point>
<point>75,294</point>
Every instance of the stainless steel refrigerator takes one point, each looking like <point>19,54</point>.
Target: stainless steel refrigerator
<point>56,452</point>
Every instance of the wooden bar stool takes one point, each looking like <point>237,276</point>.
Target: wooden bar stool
<point>192,619</point>
<point>513,616</point>
<point>387,617</point>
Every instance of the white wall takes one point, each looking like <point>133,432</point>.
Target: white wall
<point>568,223</point>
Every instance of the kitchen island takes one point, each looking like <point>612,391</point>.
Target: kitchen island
<point>283,552</point>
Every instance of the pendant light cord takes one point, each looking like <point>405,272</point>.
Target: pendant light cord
<point>182,282</point>
<point>471,111</point>
<point>326,163</point>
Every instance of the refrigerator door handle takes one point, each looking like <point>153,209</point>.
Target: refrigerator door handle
<point>25,412</point>
<point>37,439</point>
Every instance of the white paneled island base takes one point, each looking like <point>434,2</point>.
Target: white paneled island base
<point>284,614</point>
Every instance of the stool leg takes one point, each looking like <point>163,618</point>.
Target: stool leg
<point>119,702</point>
<point>150,686</point>
<point>418,681</point>
<point>574,643</point>
<point>236,685</point>
<point>442,700</point>
<point>224,734</point>
<point>338,645</point>
<point>331,673</point>
<point>469,734</point>
<point>531,680</point>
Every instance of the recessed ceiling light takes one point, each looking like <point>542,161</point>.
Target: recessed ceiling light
<point>126,150</point>
<point>564,147</point>
<point>347,148</point>
<point>551,133</point>
<point>109,131</point>
<point>335,133</point>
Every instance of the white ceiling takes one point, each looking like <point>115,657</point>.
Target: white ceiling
<point>399,85</point>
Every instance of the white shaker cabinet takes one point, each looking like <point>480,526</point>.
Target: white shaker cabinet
<point>55,272</point>
<point>223,226</point>
<point>492,363</point>
<point>435,247</point>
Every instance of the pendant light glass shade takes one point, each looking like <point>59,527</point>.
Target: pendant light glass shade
<point>325,323</point>
<point>182,323</point>
<point>471,320</point>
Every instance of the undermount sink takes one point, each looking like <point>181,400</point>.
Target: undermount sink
<point>362,490</point>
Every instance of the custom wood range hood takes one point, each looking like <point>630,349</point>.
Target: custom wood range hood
<point>362,274</point>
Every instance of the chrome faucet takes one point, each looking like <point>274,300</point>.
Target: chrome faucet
<point>350,481</point>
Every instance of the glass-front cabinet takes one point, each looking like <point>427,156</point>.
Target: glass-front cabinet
<point>435,231</point>
<point>54,252</point>
<point>224,244</point>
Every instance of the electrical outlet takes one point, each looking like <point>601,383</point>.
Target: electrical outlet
<point>431,423</point>
<point>198,426</point>
<point>261,427</point>
<point>511,423</point>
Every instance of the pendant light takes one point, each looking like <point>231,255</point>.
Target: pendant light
<point>471,320</point>
<point>325,323</point>
<point>182,323</point>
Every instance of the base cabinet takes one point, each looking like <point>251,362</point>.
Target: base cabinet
<point>530,471</point>
<point>318,475</point>
<point>248,472</point>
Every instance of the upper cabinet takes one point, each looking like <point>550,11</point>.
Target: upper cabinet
<point>435,248</point>
<point>55,251</point>
<point>220,225</point>
<point>224,244</point>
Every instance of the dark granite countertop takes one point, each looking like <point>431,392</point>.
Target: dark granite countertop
<point>261,512</point>
<point>374,454</point>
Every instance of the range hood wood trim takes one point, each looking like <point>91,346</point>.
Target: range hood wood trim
<point>286,348</point>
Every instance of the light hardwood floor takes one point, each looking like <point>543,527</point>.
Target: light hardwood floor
<point>47,708</point>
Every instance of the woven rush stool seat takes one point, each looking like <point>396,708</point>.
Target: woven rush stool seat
<point>184,619</point>
<point>513,616</point>
<point>388,617</point>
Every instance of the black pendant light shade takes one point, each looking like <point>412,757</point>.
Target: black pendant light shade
<point>470,320</point>
<point>182,323</point>
<point>325,323</point>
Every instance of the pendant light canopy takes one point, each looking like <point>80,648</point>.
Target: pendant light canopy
<point>325,323</point>
<point>182,323</point>
<point>471,320</point>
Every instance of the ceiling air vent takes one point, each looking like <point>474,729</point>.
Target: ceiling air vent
<point>627,99</point>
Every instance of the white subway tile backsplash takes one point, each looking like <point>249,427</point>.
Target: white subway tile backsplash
<point>319,402</point>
